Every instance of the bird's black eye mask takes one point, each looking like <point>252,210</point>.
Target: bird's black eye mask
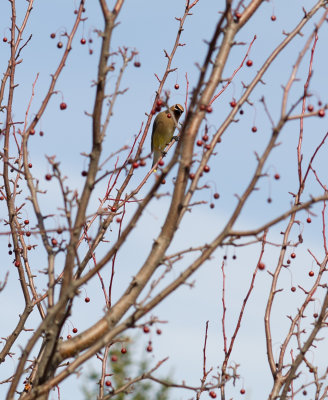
<point>178,110</point>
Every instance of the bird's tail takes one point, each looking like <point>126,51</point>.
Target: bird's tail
<point>157,156</point>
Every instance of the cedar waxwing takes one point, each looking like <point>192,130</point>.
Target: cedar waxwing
<point>163,129</point>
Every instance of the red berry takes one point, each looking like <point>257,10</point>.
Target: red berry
<point>69,336</point>
<point>163,181</point>
<point>26,222</point>
<point>28,233</point>
<point>277,176</point>
<point>2,198</point>
<point>254,129</point>
<point>249,63</point>
<point>161,163</point>
<point>146,329</point>
<point>209,109</point>
<point>261,266</point>
<point>30,165</point>
<point>241,112</point>
<point>321,113</point>
<point>114,358</point>
<point>242,391</point>
<point>118,220</point>
<point>149,348</point>
<point>123,350</point>
<point>4,39</point>
<point>54,242</point>
<point>293,289</point>
<point>206,168</point>
<point>168,115</point>
<point>137,64</point>
<point>52,35</point>
<point>311,273</point>
<point>315,315</point>
<point>87,299</point>
<point>308,220</point>
<point>192,176</point>
<point>233,103</point>
<point>273,17</point>
<point>269,200</point>
<point>176,86</point>
<point>212,394</point>
<point>63,106</point>
<point>310,107</point>
<point>142,163</point>
<point>108,383</point>
<point>237,15</point>
<point>41,133</point>
<point>216,196</point>
<point>293,255</point>
<point>32,131</point>
<point>158,331</point>
<point>74,330</point>
<point>205,137</point>
<point>319,103</point>
<point>48,177</point>
<point>59,231</point>
<point>304,392</point>
<point>159,102</point>
<point>90,40</point>
<point>113,209</point>
<point>202,107</point>
<point>17,263</point>
<point>83,41</point>
<point>29,247</point>
<point>135,165</point>
<point>60,45</point>
<point>199,143</point>
<point>90,51</point>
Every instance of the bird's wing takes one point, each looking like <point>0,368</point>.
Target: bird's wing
<point>156,125</point>
<point>152,135</point>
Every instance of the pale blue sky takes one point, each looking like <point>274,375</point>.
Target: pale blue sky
<point>149,27</point>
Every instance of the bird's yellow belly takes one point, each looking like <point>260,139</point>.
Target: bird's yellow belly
<point>162,138</point>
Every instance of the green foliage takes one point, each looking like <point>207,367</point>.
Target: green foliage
<point>122,371</point>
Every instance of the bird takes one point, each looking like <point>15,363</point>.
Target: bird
<point>163,129</point>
